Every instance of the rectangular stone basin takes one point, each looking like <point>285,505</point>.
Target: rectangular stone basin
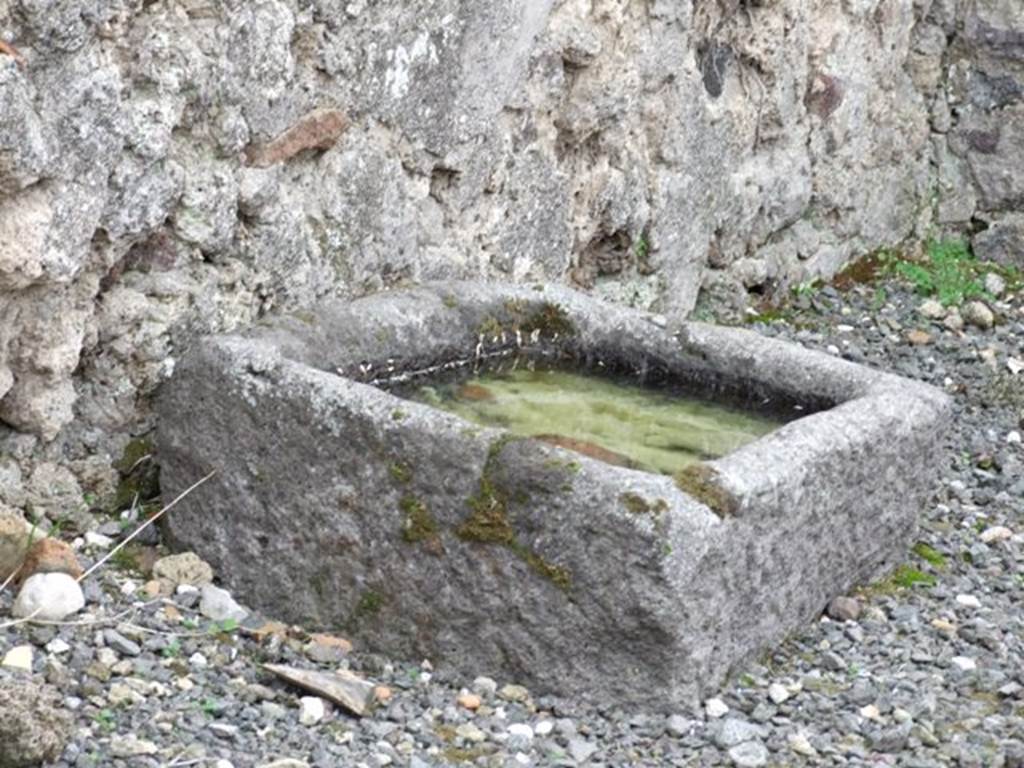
<point>339,504</point>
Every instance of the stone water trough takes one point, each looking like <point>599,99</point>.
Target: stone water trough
<point>339,504</point>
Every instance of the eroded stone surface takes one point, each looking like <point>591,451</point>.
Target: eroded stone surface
<point>648,151</point>
<point>420,534</point>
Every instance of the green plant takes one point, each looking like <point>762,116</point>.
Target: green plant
<point>209,707</point>
<point>929,554</point>
<point>225,627</point>
<point>907,576</point>
<point>641,248</point>
<point>105,720</point>
<point>949,272</point>
<point>172,650</point>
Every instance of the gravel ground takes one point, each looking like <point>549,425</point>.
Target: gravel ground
<point>930,674</point>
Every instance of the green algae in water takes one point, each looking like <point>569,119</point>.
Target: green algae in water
<point>610,420</point>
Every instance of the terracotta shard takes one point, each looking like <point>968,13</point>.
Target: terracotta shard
<point>343,688</point>
<point>318,129</point>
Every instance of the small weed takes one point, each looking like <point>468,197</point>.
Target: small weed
<point>904,577</point>
<point>879,299</point>
<point>949,272</point>
<point>641,248</point>
<point>929,554</point>
<point>907,576</point>
<point>189,624</point>
<point>806,288</point>
<point>105,720</point>
<point>369,604</point>
<point>209,707</point>
<point>172,650</point>
<point>398,414</point>
<point>222,628</point>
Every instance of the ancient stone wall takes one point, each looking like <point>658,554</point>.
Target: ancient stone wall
<point>175,167</point>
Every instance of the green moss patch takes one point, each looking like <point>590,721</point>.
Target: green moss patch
<point>929,554</point>
<point>701,481</point>
<point>547,319</point>
<point>419,524</point>
<point>369,605</point>
<point>400,473</point>
<point>488,522</point>
<point>638,505</point>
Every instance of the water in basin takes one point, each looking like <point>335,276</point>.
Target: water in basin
<point>607,419</point>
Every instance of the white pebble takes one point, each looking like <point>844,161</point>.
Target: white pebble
<point>520,729</point>
<point>98,540</point>
<point>19,657</point>
<point>778,693</point>
<point>963,663</point>
<point>311,710</point>
<point>197,660</point>
<point>1013,438</point>
<point>543,728</point>
<point>995,533</point>
<point>968,601</point>
<point>715,708</point>
<point>48,597</point>
<point>57,646</point>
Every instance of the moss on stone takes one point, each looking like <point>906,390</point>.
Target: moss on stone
<point>546,319</point>
<point>419,524</point>
<point>638,505</point>
<point>701,481</point>
<point>488,522</point>
<point>400,473</point>
<point>398,414</point>
<point>550,320</point>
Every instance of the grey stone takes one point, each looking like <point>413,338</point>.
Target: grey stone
<point>531,140</point>
<point>48,597</point>
<point>732,731</point>
<point>796,502</point>
<point>217,604</point>
<point>120,643</point>
<point>34,727</point>
<point>843,608</point>
<point>750,754</point>
<point>1003,241</point>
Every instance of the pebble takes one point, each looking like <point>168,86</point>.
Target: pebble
<point>968,601</point>
<point>515,693</point>
<point>778,693</point>
<point>484,686</point>
<point>964,663</point>
<point>19,657</point>
<point>994,284</point>
<point>995,534</point>
<point>679,726</point>
<point>581,750</point>
<point>98,540</point>
<point>130,746</point>
<point>469,701</point>
<point>522,730</point>
<point>750,754</point>
<point>979,315</point>
<point>217,604</point>
<point>932,309</point>
<point>732,731</point>
<point>801,745</point>
<point>470,733</point>
<point>311,710</point>
<point>715,708</point>
<point>844,608</point>
<point>48,597</point>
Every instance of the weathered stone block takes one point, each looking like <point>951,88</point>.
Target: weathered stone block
<point>339,504</point>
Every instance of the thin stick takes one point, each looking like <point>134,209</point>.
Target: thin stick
<point>148,522</point>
